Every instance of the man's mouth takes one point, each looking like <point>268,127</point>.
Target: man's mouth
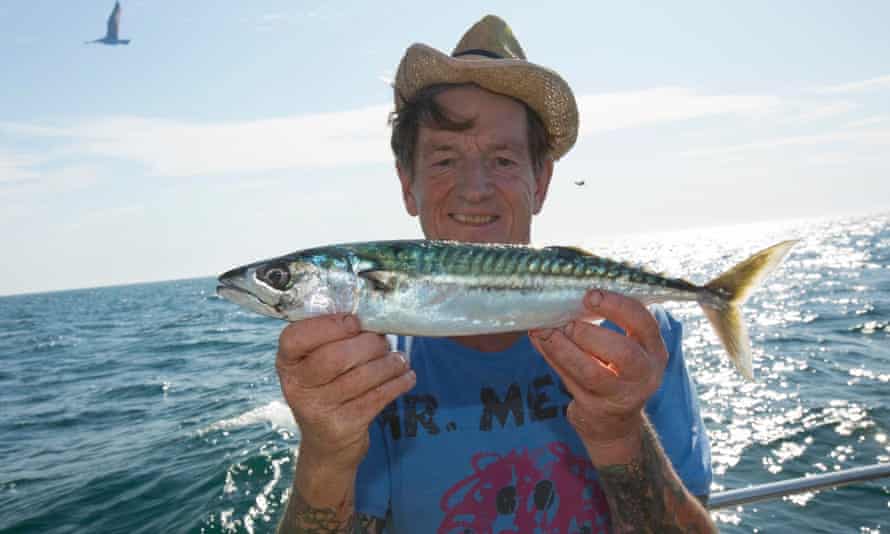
<point>473,220</point>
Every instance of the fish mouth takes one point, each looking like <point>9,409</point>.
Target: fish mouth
<point>235,286</point>
<point>473,220</point>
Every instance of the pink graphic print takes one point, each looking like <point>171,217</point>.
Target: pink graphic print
<point>547,490</point>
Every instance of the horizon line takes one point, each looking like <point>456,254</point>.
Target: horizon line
<point>885,211</point>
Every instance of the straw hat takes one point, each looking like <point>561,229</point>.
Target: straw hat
<point>490,56</point>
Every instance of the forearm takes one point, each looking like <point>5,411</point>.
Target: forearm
<point>322,500</point>
<point>643,490</point>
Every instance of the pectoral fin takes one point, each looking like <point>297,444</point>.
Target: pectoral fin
<point>385,281</point>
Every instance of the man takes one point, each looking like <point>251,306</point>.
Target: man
<point>547,431</point>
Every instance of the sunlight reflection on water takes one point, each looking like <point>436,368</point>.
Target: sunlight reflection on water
<point>208,445</point>
<point>821,343</point>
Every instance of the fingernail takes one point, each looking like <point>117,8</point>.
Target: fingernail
<point>543,334</point>
<point>402,357</point>
<point>594,298</point>
<point>350,322</point>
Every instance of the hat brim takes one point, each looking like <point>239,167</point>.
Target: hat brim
<point>541,88</point>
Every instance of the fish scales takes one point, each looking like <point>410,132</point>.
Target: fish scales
<point>510,266</point>
<point>439,288</point>
<point>505,268</point>
<point>435,256</point>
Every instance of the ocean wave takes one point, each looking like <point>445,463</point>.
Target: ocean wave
<point>156,408</point>
<point>275,412</point>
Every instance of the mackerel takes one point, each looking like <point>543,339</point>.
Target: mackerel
<point>448,288</point>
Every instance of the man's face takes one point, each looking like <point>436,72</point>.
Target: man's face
<point>479,184</point>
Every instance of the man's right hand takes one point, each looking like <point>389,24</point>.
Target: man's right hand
<point>336,379</point>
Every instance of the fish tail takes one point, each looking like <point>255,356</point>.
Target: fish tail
<point>731,290</point>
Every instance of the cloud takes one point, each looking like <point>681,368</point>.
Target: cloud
<point>614,111</point>
<point>801,111</point>
<point>388,78</point>
<point>24,173</point>
<point>184,148</point>
<point>187,148</point>
<point>789,114</point>
<point>869,137</point>
<point>881,82</point>
<point>62,180</point>
<point>105,217</point>
<point>33,130</point>
<point>16,168</point>
<point>868,121</point>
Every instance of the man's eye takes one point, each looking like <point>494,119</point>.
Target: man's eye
<point>447,162</point>
<point>505,162</point>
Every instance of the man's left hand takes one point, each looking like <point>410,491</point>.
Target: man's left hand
<point>609,375</point>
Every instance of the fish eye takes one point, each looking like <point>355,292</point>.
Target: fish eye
<point>276,276</point>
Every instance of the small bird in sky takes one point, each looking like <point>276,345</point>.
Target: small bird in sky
<point>579,183</point>
<point>114,24</point>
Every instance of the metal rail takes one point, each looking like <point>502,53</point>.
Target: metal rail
<point>774,490</point>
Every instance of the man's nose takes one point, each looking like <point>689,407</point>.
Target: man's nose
<point>476,183</point>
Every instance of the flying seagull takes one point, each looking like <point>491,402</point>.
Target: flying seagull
<point>114,24</point>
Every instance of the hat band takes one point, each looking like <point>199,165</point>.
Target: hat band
<point>478,52</point>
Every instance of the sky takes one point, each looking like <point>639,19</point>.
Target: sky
<point>228,132</point>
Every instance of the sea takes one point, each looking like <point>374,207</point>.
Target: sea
<point>156,408</point>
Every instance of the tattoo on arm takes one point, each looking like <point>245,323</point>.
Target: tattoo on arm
<point>369,524</point>
<point>646,495</point>
<point>300,517</point>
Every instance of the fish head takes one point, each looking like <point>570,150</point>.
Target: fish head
<point>292,287</point>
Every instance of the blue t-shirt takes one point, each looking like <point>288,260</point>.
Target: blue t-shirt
<point>482,443</point>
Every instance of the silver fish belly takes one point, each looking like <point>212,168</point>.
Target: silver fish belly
<point>442,288</point>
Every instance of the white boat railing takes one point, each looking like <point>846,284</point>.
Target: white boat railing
<point>774,490</point>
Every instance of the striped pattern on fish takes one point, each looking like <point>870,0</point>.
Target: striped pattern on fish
<point>445,288</point>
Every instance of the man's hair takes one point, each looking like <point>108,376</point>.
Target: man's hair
<point>424,110</point>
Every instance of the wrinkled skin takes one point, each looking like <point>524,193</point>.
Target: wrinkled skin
<point>609,375</point>
<point>335,379</point>
<point>476,185</point>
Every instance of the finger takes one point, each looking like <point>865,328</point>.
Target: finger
<point>301,337</point>
<point>581,373</point>
<point>364,378</point>
<point>622,354</point>
<point>631,316</point>
<point>574,388</point>
<point>327,362</point>
<point>365,407</point>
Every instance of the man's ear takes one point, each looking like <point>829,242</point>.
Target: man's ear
<point>542,184</point>
<point>407,194</point>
